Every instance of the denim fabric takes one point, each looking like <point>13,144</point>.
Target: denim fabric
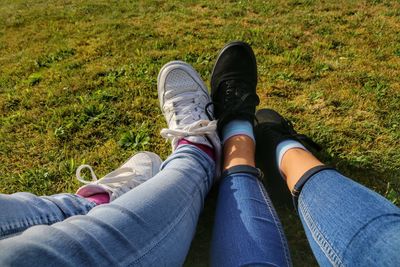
<point>151,225</point>
<point>22,210</point>
<point>348,224</point>
<point>247,231</point>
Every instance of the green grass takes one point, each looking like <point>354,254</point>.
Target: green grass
<point>78,85</point>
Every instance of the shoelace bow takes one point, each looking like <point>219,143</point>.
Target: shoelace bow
<point>201,127</point>
<point>187,110</point>
<point>118,182</point>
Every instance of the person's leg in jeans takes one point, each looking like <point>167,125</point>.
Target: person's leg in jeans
<point>23,210</point>
<point>247,231</point>
<point>152,224</point>
<point>346,223</point>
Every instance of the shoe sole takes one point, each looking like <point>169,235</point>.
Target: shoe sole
<point>177,64</point>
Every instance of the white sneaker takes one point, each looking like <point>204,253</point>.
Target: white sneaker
<point>183,99</point>
<point>136,170</point>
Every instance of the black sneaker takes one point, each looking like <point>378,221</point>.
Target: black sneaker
<point>233,84</point>
<point>271,130</point>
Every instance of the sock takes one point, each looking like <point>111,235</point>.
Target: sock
<point>237,127</point>
<point>206,149</point>
<point>283,147</point>
<point>100,198</point>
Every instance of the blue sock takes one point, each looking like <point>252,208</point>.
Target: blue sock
<point>283,147</point>
<point>237,127</point>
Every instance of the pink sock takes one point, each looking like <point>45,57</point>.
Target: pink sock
<point>206,149</point>
<point>100,198</point>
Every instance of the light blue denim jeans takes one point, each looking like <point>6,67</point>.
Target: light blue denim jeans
<point>151,225</point>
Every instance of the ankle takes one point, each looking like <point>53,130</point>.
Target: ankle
<point>295,162</point>
<point>239,150</point>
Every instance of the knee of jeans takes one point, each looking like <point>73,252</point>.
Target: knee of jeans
<point>377,242</point>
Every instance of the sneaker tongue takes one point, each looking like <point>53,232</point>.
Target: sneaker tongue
<point>190,116</point>
<point>187,108</point>
<point>237,98</point>
<point>236,87</point>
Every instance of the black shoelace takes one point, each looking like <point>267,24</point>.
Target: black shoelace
<point>235,100</point>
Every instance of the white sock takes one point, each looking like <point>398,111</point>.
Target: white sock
<point>283,147</point>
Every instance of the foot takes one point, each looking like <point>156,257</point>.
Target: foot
<point>136,170</point>
<point>233,84</point>
<point>271,130</point>
<point>183,99</point>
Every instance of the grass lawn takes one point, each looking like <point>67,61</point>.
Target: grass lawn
<point>78,85</point>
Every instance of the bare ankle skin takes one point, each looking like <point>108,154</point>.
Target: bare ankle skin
<point>239,150</point>
<point>295,163</point>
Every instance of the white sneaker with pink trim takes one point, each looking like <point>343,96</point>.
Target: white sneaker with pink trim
<point>136,170</point>
<point>184,99</point>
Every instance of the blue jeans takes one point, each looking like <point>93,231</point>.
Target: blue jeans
<point>247,231</point>
<point>154,223</point>
<point>151,225</point>
<point>345,223</point>
<point>348,224</point>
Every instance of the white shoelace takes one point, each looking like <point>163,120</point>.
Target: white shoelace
<point>185,107</point>
<point>187,110</point>
<point>201,127</point>
<point>115,181</point>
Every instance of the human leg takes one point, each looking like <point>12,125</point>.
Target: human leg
<point>152,224</point>
<point>345,223</point>
<point>247,231</point>
<point>23,210</point>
